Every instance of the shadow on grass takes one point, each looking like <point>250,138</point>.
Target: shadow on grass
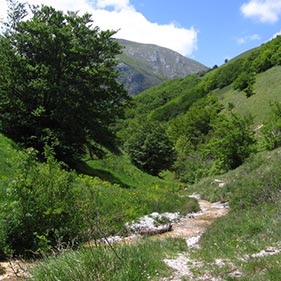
<point>83,168</point>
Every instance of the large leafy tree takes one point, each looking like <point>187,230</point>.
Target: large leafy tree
<point>149,146</point>
<point>58,81</point>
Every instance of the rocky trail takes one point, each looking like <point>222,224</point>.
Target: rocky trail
<point>191,229</point>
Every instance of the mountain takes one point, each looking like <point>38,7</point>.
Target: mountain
<point>144,65</point>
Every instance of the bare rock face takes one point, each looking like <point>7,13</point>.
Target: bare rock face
<point>144,65</point>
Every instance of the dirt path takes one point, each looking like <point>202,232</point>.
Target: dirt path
<point>191,229</point>
<point>193,226</point>
<point>14,270</point>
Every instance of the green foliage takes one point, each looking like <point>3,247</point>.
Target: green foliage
<point>160,96</point>
<point>189,133</point>
<point>231,142</point>
<point>43,206</point>
<point>58,83</point>
<point>245,81</point>
<point>196,123</point>
<point>8,150</point>
<point>149,147</point>
<point>272,130</point>
<point>228,73</point>
<point>208,142</point>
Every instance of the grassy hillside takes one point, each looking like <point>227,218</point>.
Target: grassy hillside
<point>157,97</point>
<point>96,202</point>
<point>227,248</point>
<point>267,90</point>
<point>119,170</point>
<point>199,128</point>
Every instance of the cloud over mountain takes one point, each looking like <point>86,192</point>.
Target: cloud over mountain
<point>131,25</point>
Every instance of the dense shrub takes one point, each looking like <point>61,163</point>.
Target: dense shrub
<point>208,142</point>
<point>42,205</point>
<point>231,142</point>
<point>272,130</point>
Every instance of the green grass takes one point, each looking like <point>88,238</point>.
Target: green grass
<point>253,223</point>
<point>8,150</point>
<point>127,193</point>
<point>114,191</point>
<point>119,170</point>
<point>138,261</point>
<point>261,269</point>
<point>267,90</point>
<point>116,205</point>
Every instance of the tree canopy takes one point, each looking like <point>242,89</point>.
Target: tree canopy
<point>149,146</point>
<point>58,81</point>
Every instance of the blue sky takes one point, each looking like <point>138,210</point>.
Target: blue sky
<point>209,31</point>
<point>223,30</point>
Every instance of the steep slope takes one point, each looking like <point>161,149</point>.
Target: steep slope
<point>250,82</point>
<point>144,65</point>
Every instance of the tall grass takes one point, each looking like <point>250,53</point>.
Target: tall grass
<point>138,261</point>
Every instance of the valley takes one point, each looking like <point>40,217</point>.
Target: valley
<point>82,158</point>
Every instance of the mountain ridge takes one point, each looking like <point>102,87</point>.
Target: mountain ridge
<point>143,66</point>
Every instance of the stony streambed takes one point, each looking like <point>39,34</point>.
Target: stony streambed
<point>189,227</point>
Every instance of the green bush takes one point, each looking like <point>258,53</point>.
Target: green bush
<point>272,130</point>
<point>43,205</point>
<point>231,143</point>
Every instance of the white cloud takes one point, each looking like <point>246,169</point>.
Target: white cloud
<point>3,8</point>
<point>248,38</point>
<point>131,25</point>
<point>267,11</point>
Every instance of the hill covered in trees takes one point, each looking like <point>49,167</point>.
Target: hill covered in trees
<point>216,119</point>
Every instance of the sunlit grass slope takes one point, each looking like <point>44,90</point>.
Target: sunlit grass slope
<point>267,90</point>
